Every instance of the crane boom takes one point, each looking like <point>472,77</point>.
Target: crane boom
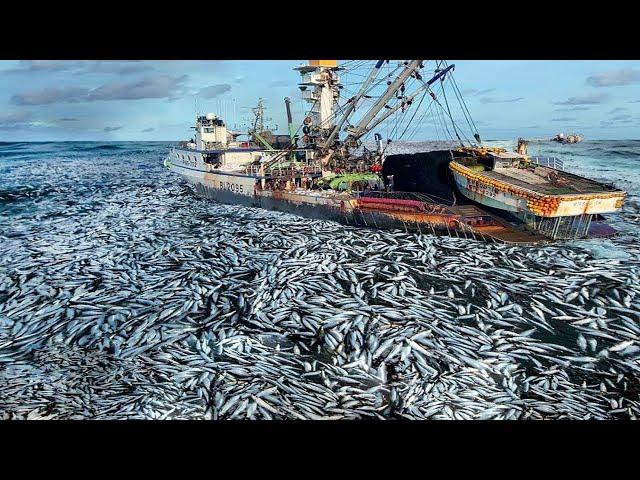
<point>391,111</point>
<point>357,131</point>
<point>354,102</point>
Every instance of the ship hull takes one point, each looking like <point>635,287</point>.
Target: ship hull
<point>340,211</point>
<point>353,210</point>
<point>496,194</point>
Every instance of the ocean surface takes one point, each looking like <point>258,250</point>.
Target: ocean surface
<point>124,295</point>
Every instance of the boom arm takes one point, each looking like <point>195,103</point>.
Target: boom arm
<point>391,111</point>
<point>357,131</point>
<point>354,102</point>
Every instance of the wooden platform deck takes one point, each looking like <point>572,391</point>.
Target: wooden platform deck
<point>547,181</point>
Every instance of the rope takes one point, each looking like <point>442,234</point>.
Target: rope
<point>414,114</point>
<point>453,123</point>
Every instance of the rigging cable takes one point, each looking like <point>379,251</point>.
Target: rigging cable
<point>414,114</point>
<point>464,108</point>
<point>453,123</point>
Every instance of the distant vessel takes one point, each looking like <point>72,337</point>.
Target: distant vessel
<point>571,138</point>
<point>469,192</point>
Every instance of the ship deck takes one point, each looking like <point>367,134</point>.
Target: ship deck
<point>539,179</point>
<point>547,181</point>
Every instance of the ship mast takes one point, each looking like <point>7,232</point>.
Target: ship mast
<point>353,102</point>
<point>258,123</point>
<point>320,86</point>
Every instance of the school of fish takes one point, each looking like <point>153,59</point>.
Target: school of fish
<point>125,296</point>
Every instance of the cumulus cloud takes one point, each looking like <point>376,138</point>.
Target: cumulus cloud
<point>111,129</point>
<point>586,99</point>
<point>152,87</point>
<point>498,100</point>
<point>615,78</point>
<point>214,90</point>
<point>146,130</point>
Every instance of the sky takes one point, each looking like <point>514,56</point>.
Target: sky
<point>48,100</point>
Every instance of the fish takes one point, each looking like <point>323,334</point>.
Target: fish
<point>141,300</point>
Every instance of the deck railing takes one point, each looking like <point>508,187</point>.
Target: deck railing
<point>551,162</point>
<point>277,171</point>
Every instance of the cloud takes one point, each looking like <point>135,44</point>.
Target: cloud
<point>615,78</point>
<point>14,120</point>
<point>617,121</point>
<point>618,109</point>
<point>119,67</point>
<point>473,92</point>
<point>24,119</point>
<point>586,99</point>
<point>152,87</point>
<point>564,119</point>
<point>44,66</point>
<point>571,109</point>
<point>50,95</point>
<point>146,130</point>
<point>620,118</point>
<point>497,100</point>
<point>111,129</point>
<point>609,124</point>
<point>214,90</point>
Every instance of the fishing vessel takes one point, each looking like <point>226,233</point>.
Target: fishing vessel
<point>467,191</point>
<point>570,139</point>
<point>546,199</point>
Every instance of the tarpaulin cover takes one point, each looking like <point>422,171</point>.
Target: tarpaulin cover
<point>425,172</point>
